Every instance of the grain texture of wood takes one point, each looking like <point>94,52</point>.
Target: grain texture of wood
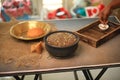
<point>92,35</point>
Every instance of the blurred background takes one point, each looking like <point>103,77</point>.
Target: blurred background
<point>50,9</point>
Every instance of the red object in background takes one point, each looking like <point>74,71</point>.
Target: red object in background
<point>16,4</point>
<point>17,8</point>
<point>89,11</point>
<point>60,13</point>
<point>101,7</point>
<point>51,15</point>
<point>93,11</point>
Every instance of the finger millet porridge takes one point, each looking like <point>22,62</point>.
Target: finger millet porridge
<point>61,39</point>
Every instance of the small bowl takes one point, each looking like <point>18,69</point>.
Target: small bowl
<point>103,27</point>
<point>59,43</point>
<point>19,30</point>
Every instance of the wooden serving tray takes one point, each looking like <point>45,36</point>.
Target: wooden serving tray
<point>92,35</point>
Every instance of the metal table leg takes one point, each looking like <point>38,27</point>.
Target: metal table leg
<point>101,73</point>
<point>18,78</point>
<point>87,74</point>
<point>75,75</point>
<point>38,76</point>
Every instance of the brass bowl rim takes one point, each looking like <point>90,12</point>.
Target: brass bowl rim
<point>23,38</point>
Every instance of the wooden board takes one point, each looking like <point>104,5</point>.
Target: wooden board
<point>92,35</point>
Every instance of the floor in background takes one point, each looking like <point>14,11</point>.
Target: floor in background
<point>110,74</point>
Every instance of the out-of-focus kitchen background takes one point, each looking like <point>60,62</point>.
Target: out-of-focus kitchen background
<point>50,9</point>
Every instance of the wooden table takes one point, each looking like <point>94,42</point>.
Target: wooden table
<point>16,58</point>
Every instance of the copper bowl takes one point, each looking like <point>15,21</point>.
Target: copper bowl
<point>20,29</point>
<point>64,51</point>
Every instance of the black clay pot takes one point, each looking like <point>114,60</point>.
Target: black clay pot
<point>61,52</point>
